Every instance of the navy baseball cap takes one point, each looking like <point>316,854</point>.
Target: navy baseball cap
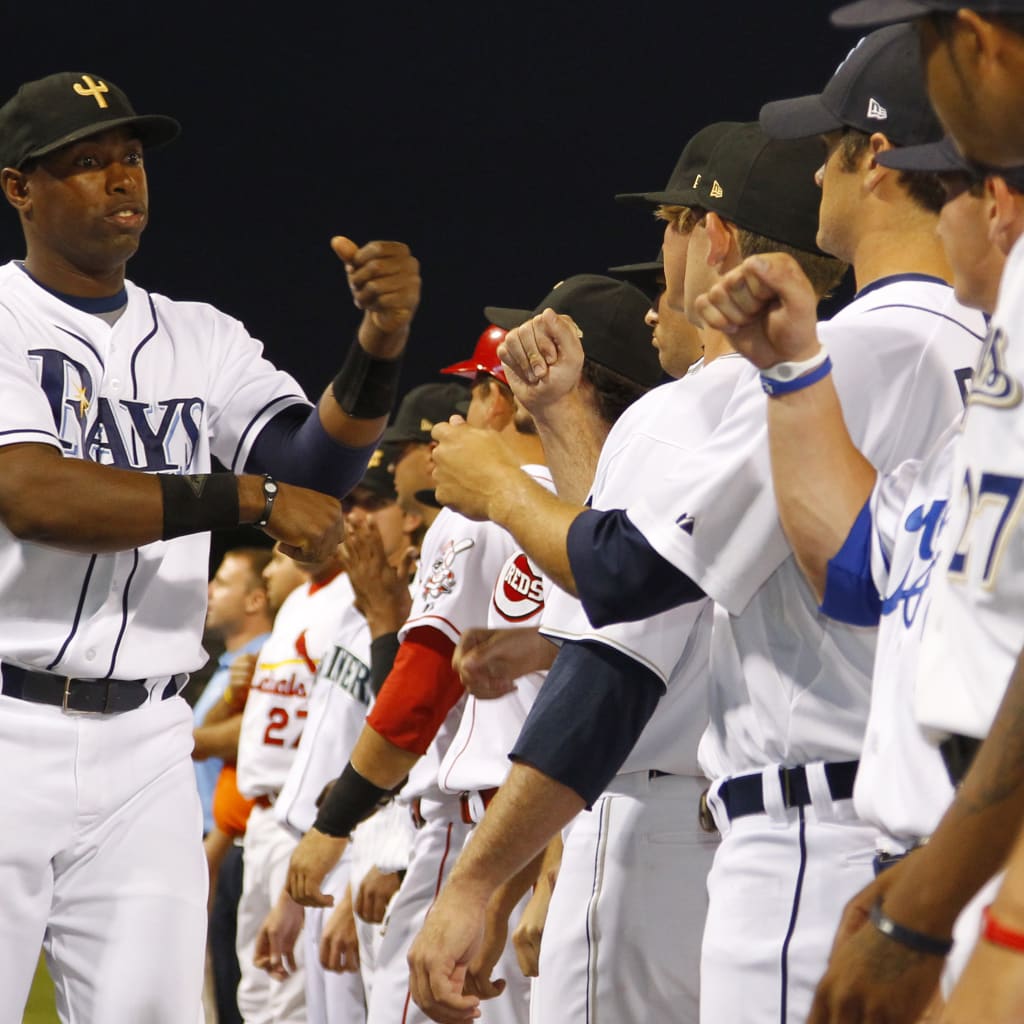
<point>887,12</point>
<point>944,158</point>
<point>69,106</point>
<point>611,316</point>
<point>878,88</point>
<point>762,184</point>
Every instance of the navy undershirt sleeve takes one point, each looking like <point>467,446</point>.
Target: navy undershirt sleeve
<point>295,449</point>
<point>850,592</point>
<point>619,576</point>
<point>587,717</point>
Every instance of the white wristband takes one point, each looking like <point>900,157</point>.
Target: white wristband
<point>785,372</point>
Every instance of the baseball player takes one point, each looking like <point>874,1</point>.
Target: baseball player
<point>869,544</point>
<point>272,726</point>
<point>785,727</point>
<point>613,877</point>
<point>116,401</point>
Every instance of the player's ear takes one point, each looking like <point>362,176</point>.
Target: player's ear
<point>15,186</point>
<point>721,241</point>
<point>874,172</point>
<point>1005,222</point>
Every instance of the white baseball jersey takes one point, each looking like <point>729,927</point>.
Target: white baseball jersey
<point>276,709</point>
<point>477,757</point>
<point>793,688</point>
<point>975,630</point>
<point>334,717</point>
<point>902,786</point>
<point>459,562</point>
<point>664,428</point>
<point>169,384</point>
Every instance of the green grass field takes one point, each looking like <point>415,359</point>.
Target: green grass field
<point>41,1009</point>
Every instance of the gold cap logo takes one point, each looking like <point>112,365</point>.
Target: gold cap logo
<point>716,190</point>
<point>376,459</point>
<point>94,89</point>
<point>426,425</point>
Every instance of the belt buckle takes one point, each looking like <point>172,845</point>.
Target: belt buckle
<point>67,693</point>
<point>704,815</point>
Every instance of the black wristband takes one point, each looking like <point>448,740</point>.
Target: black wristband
<point>350,800</point>
<point>365,386</point>
<point>917,941</point>
<point>195,504</point>
<point>382,656</point>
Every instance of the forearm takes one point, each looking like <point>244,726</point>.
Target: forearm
<point>978,831</point>
<point>217,740</point>
<point>821,480</point>
<point>572,433</point>
<point>540,523</point>
<point>83,506</point>
<point>379,761</point>
<point>527,811</point>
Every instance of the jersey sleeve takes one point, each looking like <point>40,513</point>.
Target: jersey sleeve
<point>714,516</point>
<point>245,390</point>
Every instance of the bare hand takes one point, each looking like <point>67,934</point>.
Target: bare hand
<point>309,525</point>
<point>526,939</point>
<point>543,359</point>
<point>316,854</point>
<point>492,945</point>
<point>470,466</point>
<point>385,282</point>
<point>275,943</point>
<point>489,661</point>
<point>767,307</point>
<point>339,944</point>
<point>239,679</point>
<point>991,989</point>
<point>382,592</point>
<point>375,892</point>
<point>439,957</point>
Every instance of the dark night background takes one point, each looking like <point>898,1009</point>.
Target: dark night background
<point>489,137</point>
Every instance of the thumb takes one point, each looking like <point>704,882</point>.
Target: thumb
<point>344,248</point>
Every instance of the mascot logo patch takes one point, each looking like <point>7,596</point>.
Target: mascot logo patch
<point>519,593</point>
<point>441,578</point>
<point>993,384</point>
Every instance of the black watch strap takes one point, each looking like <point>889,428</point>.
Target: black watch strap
<point>270,489</point>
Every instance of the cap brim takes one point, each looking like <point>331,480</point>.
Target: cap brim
<point>636,269</point>
<point>684,197</point>
<point>868,13</point>
<point>798,118</point>
<point>470,368</point>
<point>937,157</point>
<point>154,130</point>
<point>507,319</point>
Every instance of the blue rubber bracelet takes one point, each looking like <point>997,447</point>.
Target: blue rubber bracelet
<point>787,387</point>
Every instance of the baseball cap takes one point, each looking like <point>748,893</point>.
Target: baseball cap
<point>484,358</point>
<point>424,406</point>
<point>762,184</point>
<point>60,109</point>
<point>880,87</point>
<point>648,276</point>
<point>888,12</point>
<point>379,479</point>
<point>611,316</point>
<point>943,157</point>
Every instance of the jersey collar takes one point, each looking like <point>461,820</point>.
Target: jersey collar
<point>895,279</point>
<point>107,304</point>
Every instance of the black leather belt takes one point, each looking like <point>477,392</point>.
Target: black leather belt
<point>95,696</point>
<point>958,753</point>
<point>745,794</point>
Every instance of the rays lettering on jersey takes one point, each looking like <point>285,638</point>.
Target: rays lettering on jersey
<point>910,591</point>
<point>158,437</point>
<point>346,671</point>
<point>992,384</point>
<point>519,592</point>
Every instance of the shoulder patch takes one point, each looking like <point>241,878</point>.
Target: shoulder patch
<point>519,592</point>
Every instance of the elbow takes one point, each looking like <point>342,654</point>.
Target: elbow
<point>26,521</point>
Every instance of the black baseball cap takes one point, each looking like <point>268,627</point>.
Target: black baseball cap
<point>611,316</point>
<point>888,12</point>
<point>880,87</point>
<point>648,276</point>
<point>60,109</point>
<point>944,158</point>
<point>424,406</point>
<point>379,478</point>
<point>762,184</point>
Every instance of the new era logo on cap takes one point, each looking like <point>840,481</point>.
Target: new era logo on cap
<point>716,190</point>
<point>876,111</point>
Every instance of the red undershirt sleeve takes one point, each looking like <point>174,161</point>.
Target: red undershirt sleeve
<point>418,693</point>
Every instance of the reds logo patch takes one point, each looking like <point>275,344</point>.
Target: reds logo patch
<point>441,578</point>
<point>519,592</point>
